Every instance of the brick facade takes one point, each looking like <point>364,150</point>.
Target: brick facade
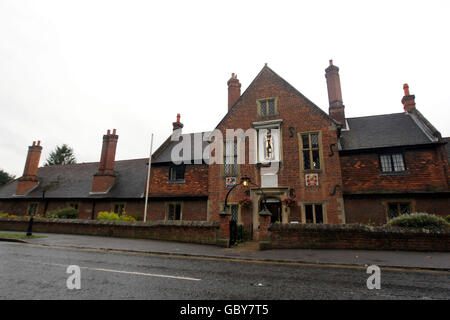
<point>351,185</point>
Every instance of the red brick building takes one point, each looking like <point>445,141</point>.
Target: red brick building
<point>308,166</point>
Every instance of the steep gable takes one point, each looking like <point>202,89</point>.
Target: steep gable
<point>274,77</point>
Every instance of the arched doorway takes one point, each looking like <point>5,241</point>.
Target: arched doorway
<point>274,206</point>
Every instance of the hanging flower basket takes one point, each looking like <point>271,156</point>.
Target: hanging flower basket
<point>289,202</point>
<point>246,202</point>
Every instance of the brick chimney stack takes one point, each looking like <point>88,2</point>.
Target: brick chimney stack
<point>29,177</point>
<point>177,125</point>
<point>337,108</point>
<point>105,177</point>
<point>234,90</point>
<point>408,100</point>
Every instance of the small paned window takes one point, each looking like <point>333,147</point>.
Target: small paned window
<point>119,208</point>
<point>267,107</point>
<point>230,167</point>
<point>174,211</point>
<point>393,162</point>
<point>396,209</point>
<point>176,173</point>
<point>311,151</point>
<point>313,213</point>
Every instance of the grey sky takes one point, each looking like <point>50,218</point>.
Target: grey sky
<point>70,70</point>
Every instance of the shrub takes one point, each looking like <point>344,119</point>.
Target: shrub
<point>104,215</point>
<point>447,218</point>
<point>7,215</point>
<point>65,213</point>
<point>111,216</point>
<point>419,220</point>
<point>135,216</point>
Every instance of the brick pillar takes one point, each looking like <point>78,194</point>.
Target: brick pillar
<point>234,90</point>
<point>263,230</point>
<point>337,108</point>
<point>223,238</point>
<point>29,178</point>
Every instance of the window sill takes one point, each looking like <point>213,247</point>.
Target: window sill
<point>176,181</point>
<point>312,171</point>
<point>395,173</point>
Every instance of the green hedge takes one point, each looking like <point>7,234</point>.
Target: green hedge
<point>419,220</point>
<point>65,213</point>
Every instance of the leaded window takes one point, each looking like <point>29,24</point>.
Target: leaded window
<point>311,151</point>
<point>230,158</point>
<point>393,162</point>
<point>396,209</point>
<point>267,107</point>
<point>234,212</point>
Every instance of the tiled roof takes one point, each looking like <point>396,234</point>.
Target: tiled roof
<point>75,181</point>
<point>387,130</point>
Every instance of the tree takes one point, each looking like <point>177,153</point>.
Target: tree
<point>5,177</point>
<point>60,156</point>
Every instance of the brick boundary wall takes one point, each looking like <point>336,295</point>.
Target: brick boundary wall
<point>341,236</point>
<point>204,232</point>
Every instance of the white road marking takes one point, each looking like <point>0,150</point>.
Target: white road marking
<point>129,272</point>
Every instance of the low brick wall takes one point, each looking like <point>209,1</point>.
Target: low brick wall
<point>204,232</point>
<point>340,236</point>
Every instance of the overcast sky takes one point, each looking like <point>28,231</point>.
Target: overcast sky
<point>70,70</point>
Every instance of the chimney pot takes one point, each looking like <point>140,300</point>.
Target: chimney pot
<point>114,131</point>
<point>34,143</point>
<point>108,132</point>
<point>39,142</point>
<point>177,125</point>
<point>406,89</point>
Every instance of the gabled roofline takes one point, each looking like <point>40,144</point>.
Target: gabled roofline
<point>289,85</point>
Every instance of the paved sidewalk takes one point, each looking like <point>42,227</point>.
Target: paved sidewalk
<point>406,259</point>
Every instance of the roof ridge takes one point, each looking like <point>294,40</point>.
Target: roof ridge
<point>376,115</point>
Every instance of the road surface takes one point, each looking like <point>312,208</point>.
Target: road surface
<point>39,272</point>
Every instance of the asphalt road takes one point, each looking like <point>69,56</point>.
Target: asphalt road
<point>36,272</point>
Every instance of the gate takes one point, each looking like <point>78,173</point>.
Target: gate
<point>233,232</point>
